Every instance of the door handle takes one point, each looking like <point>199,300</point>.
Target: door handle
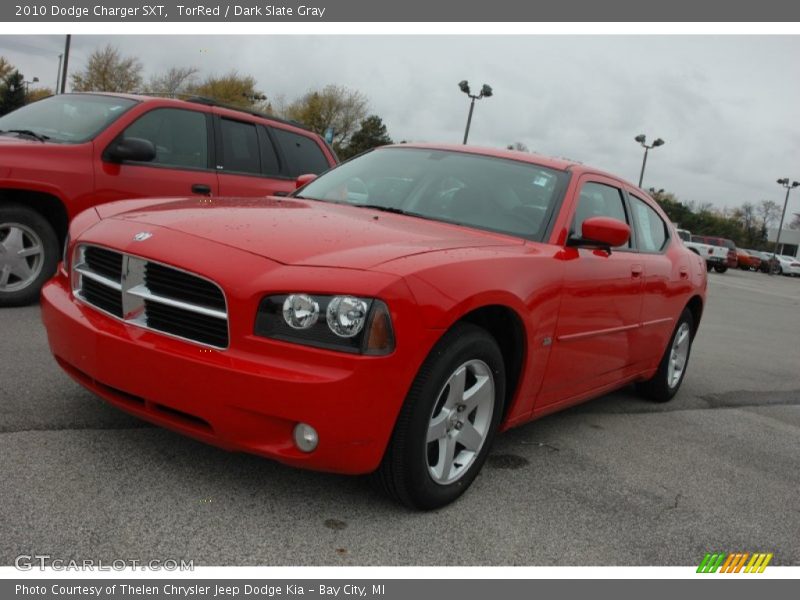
<point>637,270</point>
<point>201,188</point>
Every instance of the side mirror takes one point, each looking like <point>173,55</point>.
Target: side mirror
<point>602,232</point>
<point>303,180</point>
<point>135,149</point>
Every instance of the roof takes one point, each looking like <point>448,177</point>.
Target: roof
<point>198,100</point>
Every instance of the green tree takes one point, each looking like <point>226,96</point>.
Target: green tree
<point>12,95</point>
<point>371,134</point>
<point>6,68</point>
<point>333,107</point>
<point>231,88</point>
<point>108,71</point>
<point>37,94</point>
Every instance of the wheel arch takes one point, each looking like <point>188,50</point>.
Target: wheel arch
<point>695,306</point>
<point>48,205</point>
<point>507,327</point>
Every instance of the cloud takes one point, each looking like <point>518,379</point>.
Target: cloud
<point>726,105</point>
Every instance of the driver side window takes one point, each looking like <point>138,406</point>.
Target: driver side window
<point>599,200</point>
<point>180,136</point>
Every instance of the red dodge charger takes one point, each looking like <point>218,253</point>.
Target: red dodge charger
<point>390,316</point>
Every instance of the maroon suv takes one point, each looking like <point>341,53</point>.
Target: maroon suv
<point>67,153</point>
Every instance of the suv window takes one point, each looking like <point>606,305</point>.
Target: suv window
<point>651,231</point>
<point>302,153</point>
<point>180,136</point>
<point>68,118</point>
<point>240,153</point>
<point>599,200</point>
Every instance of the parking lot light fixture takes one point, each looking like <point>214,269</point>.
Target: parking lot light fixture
<point>789,186</point>
<point>486,92</point>
<point>642,139</point>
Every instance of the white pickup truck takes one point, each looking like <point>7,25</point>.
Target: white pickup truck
<point>716,257</point>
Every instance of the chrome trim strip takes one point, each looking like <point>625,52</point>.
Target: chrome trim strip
<point>86,272</point>
<point>143,292</point>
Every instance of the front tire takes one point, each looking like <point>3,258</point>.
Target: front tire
<point>672,369</point>
<point>720,268</point>
<point>448,422</point>
<point>28,254</point>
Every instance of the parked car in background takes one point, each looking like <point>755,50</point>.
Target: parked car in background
<point>389,317</point>
<point>66,153</point>
<point>767,262</point>
<point>732,260</point>
<point>748,260</point>
<point>713,255</point>
<point>788,265</point>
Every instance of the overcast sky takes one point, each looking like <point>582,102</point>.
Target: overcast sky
<point>727,106</point>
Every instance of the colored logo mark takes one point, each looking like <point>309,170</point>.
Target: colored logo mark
<point>734,562</point>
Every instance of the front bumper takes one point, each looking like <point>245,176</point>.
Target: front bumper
<point>237,400</point>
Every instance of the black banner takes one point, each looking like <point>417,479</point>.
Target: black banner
<point>316,11</point>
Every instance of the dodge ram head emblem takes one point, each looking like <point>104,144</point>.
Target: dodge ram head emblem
<point>142,236</point>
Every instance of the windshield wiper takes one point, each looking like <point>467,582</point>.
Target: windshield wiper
<point>389,209</point>
<point>38,136</point>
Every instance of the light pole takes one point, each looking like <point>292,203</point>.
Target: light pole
<point>58,73</point>
<point>28,83</point>
<point>789,186</point>
<point>641,139</point>
<point>486,92</point>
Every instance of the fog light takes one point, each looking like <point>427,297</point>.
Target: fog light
<point>305,437</point>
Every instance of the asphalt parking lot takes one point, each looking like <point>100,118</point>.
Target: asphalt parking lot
<point>617,481</point>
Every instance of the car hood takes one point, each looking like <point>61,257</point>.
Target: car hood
<point>303,232</point>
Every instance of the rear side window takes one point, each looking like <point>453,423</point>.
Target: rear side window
<point>599,200</point>
<point>651,231</point>
<point>179,136</point>
<point>302,153</point>
<point>240,151</point>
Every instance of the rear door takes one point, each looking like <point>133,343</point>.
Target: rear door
<point>183,165</point>
<point>248,163</point>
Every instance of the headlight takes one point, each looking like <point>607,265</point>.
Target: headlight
<point>300,311</point>
<point>350,324</point>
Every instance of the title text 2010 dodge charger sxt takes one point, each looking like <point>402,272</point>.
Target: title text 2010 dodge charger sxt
<point>390,317</point>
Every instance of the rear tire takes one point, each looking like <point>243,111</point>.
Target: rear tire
<point>28,254</point>
<point>448,421</point>
<point>720,268</point>
<point>663,386</point>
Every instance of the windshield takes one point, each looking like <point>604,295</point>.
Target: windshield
<point>684,235</point>
<point>497,194</point>
<point>67,118</point>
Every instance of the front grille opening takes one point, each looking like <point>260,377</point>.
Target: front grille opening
<point>163,281</point>
<point>187,324</point>
<point>104,262</point>
<point>102,297</point>
<point>184,418</point>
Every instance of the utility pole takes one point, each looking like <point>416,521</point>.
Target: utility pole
<point>66,65</point>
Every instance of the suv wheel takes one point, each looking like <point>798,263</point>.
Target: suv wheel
<point>720,268</point>
<point>28,254</point>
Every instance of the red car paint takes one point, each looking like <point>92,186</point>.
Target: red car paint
<point>593,320</point>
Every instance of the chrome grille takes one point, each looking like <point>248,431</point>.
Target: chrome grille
<point>151,295</point>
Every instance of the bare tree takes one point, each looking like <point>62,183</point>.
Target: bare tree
<point>174,81</point>
<point>769,212</point>
<point>108,71</point>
